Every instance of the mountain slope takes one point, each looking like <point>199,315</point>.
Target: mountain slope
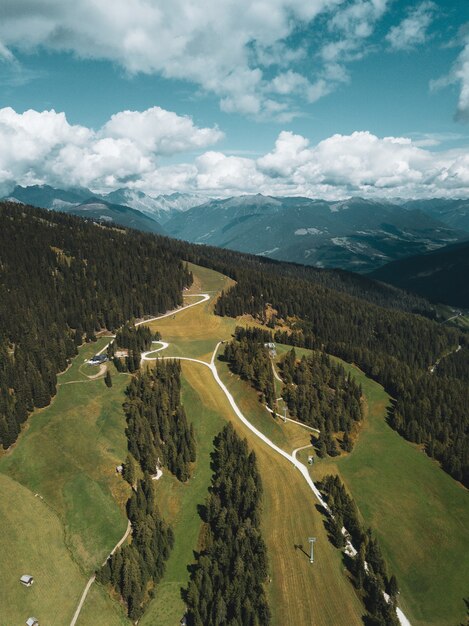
<point>355,234</point>
<point>47,197</point>
<point>453,213</point>
<point>84,203</point>
<point>100,210</point>
<point>441,275</point>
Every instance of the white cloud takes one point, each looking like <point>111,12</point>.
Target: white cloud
<point>44,147</point>
<point>227,175</point>
<point>290,152</point>
<point>458,75</point>
<point>224,46</point>
<point>160,131</point>
<point>412,31</point>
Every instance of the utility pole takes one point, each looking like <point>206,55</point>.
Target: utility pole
<point>284,414</point>
<point>311,541</point>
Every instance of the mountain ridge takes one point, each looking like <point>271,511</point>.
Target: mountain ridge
<point>355,234</point>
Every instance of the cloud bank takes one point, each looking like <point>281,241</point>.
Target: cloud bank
<point>43,148</point>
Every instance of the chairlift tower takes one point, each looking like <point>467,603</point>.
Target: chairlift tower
<point>311,541</point>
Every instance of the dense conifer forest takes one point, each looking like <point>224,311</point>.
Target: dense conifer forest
<point>62,279</point>
<point>317,391</point>
<point>237,264</point>
<point>320,394</point>
<point>368,567</point>
<point>226,585</point>
<point>455,365</point>
<point>135,338</point>
<point>157,428</point>
<point>249,358</point>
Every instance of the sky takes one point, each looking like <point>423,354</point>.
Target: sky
<point>322,98</point>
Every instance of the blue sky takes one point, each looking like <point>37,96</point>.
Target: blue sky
<point>283,96</point>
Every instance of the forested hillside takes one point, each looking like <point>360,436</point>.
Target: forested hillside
<point>249,358</point>
<point>157,434</point>
<point>319,393</point>
<point>63,279</point>
<point>440,275</point>
<point>235,264</point>
<point>394,348</point>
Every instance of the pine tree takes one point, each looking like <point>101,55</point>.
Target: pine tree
<point>108,378</point>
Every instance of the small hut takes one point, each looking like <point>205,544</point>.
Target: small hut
<point>26,580</point>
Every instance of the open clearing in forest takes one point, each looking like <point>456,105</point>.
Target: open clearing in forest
<point>418,511</point>
<point>195,332</point>
<point>67,454</point>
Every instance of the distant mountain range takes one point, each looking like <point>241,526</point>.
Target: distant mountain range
<point>356,234</point>
<point>84,203</point>
<point>145,212</point>
<point>440,276</point>
<point>454,213</point>
<point>160,207</point>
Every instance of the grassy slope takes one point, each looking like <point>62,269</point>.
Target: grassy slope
<point>31,542</point>
<point>68,454</point>
<point>195,332</point>
<point>298,590</point>
<point>418,512</point>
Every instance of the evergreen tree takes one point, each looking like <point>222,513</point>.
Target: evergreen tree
<point>108,378</point>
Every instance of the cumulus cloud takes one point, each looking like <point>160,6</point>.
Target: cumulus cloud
<point>412,31</point>
<point>234,49</point>
<point>159,131</point>
<point>43,147</point>
<point>337,167</point>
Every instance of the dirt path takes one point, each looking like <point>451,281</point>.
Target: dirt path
<point>93,578</point>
